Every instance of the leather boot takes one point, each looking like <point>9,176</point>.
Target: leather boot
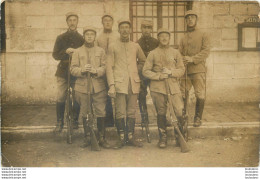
<point>130,123</point>
<point>198,112</point>
<point>60,108</point>
<point>76,109</point>
<point>87,138</point>
<point>161,122</point>
<point>101,132</point>
<point>120,125</point>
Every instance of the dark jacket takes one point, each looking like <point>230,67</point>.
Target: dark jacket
<point>64,41</point>
<point>148,44</point>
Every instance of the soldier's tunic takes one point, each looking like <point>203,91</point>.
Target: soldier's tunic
<point>125,60</point>
<point>171,59</point>
<point>105,39</point>
<point>69,39</point>
<point>98,87</point>
<point>195,44</point>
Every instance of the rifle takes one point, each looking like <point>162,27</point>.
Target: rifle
<point>145,120</point>
<point>185,115</point>
<point>183,144</point>
<point>89,120</point>
<point>68,107</point>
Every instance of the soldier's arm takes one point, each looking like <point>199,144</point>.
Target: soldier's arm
<point>59,53</point>
<point>179,70</point>
<point>181,47</point>
<point>205,49</point>
<point>109,66</point>
<point>141,59</point>
<point>101,70</point>
<point>75,69</point>
<point>147,69</point>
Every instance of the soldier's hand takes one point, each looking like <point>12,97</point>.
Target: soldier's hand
<point>163,76</point>
<point>84,70</point>
<point>187,59</point>
<point>112,91</point>
<point>93,70</point>
<point>70,50</point>
<point>166,71</point>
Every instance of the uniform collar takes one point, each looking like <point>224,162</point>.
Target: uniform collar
<point>107,30</point>
<point>89,45</point>
<point>124,40</point>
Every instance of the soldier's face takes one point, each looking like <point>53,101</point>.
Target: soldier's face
<point>146,30</point>
<point>124,30</point>
<point>191,20</point>
<point>107,22</point>
<point>89,36</point>
<point>72,22</point>
<point>164,38</point>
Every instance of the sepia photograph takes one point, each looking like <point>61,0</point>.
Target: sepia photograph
<point>130,83</point>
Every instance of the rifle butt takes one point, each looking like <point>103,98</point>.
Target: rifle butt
<point>94,142</point>
<point>183,143</point>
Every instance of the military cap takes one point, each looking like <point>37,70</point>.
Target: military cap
<point>121,21</point>
<point>163,30</point>
<point>89,28</point>
<point>190,12</point>
<point>71,14</point>
<point>147,23</point>
<point>107,15</point>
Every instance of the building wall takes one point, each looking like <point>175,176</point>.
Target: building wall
<point>32,26</point>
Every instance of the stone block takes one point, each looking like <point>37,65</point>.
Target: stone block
<point>36,21</point>
<point>51,60</point>
<point>62,8</point>
<point>36,59</point>
<point>257,70</point>
<point>248,57</point>
<point>21,39</point>
<point>39,8</point>
<point>12,21</point>
<point>228,34</point>
<point>245,71</point>
<point>15,66</point>
<point>93,20</point>
<point>223,71</point>
<point>221,9</point>
<point>229,45</point>
<point>225,57</point>
<point>253,9</point>
<point>44,45</point>
<point>226,21</point>
<point>56,22</point>
<point>92,8</point>
<point>45,34</point>
<point>215,39</point>
<point>237,8</point>
<point>35,72</point>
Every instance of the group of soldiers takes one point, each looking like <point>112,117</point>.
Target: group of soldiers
<point>122,70</point>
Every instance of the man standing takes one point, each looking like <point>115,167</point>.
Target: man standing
<point>195,47</point>
<point>65,45</point>
<point>124,82</point>
<point>164,63</point>
<point>147,43</point>
<point>104,40</point>
<point>90,59</point>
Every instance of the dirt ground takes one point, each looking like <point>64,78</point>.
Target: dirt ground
<point>207,152</point>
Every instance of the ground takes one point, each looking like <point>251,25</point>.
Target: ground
<point>206,152</point>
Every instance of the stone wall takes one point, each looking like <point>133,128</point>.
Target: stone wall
<point>32,26</point>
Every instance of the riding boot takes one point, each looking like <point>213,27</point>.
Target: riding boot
<point>87,138</point>
<point>76,109</point>
<point>130,123</point>
<point>198,112</point>
<point>60,108</point>
<point>101,132</point>
<point>161,122</point>
<point>120,125</point>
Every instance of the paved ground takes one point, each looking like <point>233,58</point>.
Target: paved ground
<point>46,116</point>
<point>207,152</point>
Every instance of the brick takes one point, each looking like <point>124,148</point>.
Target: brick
<point>91,8</point>
<point>36,59</point>
<point>39,8</point>
<point>244,70</point>
<point>35,21</point>
<point>237,8</point>
<point>223,71</point>
<point>65,7</point>
<point>221,9</point>
<point>253,9</point>
<point>224,57</point>
<point>248,57</point>
<point>229,45</point>
<point>224,21</point>
<point>15,66</point>
<point>228,34</point>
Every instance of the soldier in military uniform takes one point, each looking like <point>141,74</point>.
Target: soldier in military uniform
<point>104,40</point>
<point>147,43</point>
<point>164,63</point>
<point>65,45</point>
<point>91,59</point>
<point>124,82</point>
<point>195,48</point>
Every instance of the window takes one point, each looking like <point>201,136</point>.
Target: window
<point>163,13</point>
